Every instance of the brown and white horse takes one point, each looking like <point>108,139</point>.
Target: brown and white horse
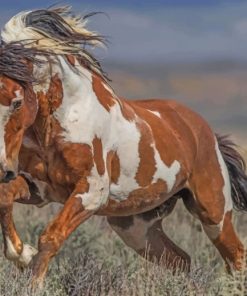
<point>66,137</point>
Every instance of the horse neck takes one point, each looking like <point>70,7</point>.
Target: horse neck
<point>79,101</point>
<point>85,87</point>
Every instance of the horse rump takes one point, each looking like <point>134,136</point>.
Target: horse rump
<point>236,168</point>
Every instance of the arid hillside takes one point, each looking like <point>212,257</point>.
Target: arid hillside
<point>217,90</point>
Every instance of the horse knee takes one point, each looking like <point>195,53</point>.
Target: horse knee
<point>50,243</point>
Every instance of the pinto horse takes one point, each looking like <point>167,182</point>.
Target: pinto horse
<point>65,136</point>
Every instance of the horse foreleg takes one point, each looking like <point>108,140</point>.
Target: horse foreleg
<point>50,241</point>
<point>14,249</point>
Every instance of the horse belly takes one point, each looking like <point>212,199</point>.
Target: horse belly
<point>137,201</point>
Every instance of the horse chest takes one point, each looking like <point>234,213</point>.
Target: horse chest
<point>49,181</point>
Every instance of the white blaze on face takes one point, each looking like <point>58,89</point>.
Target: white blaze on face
<point>5,112</point>
<point>19,96</point>
<point>4,117</point>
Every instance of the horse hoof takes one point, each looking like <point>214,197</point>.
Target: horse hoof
<point>27,255</point>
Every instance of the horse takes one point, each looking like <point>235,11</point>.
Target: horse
<point>66,137</point>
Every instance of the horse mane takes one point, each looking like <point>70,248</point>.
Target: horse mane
<point>56,31</point>
<point>15,60</point>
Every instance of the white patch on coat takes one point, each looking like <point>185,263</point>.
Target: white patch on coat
<point>213,231</point>
<point>164,172</point>
<point>227,185</point>
<point>80,114</point>
<point>127,137</point>
<point>155,113</point>
<point>82,117</point>
<point>98,191</point>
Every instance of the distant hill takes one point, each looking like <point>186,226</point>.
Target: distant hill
<point>216,89</point>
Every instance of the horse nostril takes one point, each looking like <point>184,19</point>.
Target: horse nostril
<point>9,175</point>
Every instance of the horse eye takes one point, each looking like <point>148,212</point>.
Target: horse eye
<point>16,104</point>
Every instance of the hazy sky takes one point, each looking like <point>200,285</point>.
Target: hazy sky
<point>161,30</point>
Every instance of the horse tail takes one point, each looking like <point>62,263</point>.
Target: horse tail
<point>236,168</point>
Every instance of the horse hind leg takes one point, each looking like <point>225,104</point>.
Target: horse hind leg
<point>144,234</point>
<point>219,230</point>
<point>210,200</point>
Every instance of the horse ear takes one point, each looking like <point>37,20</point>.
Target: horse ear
<point>31,104</point>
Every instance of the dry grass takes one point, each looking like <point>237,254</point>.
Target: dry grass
<point>94,261</point>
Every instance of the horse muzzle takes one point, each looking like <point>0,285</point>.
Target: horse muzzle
<point>8,176</point>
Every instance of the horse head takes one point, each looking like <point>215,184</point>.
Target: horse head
<point>33,55</point>
<point>18,105</point>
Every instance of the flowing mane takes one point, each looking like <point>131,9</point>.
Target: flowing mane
<point>15,59</point>
<point>56,32</point>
